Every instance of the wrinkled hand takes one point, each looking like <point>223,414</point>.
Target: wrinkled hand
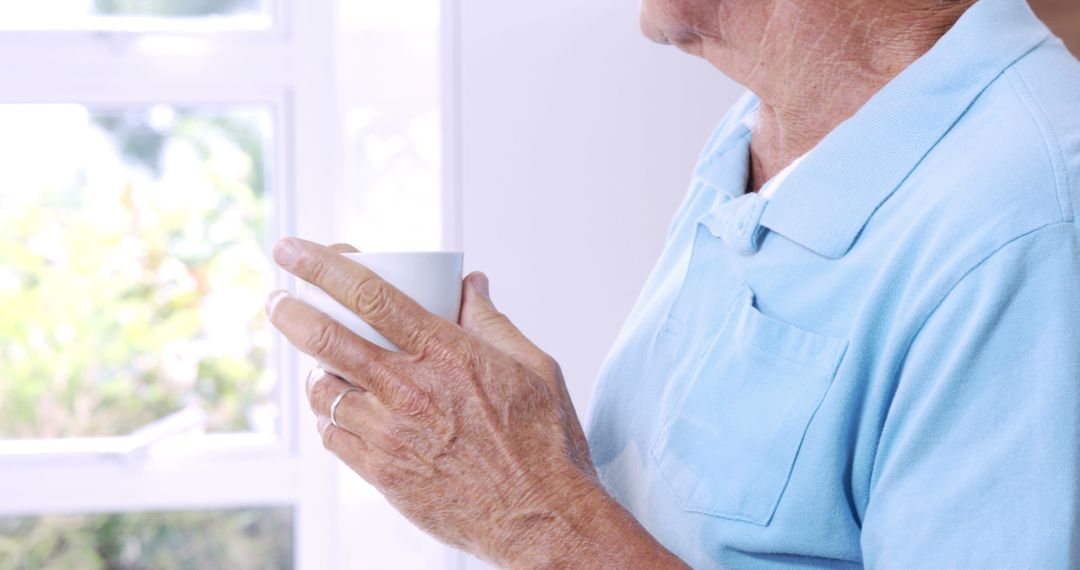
<point>468,431</point>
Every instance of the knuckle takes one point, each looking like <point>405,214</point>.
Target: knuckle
<point>456,351</point>
<point>549,367</point>
<point>371,370</point>
<point>414,337</point>
<point>492,318</point>
<point>434,352</point>
<point>413,402</point>
<point>323,338</point>
<point>370,297</point>
<point>318,268</point>
<point>394,443</point>
<point>405,397</point>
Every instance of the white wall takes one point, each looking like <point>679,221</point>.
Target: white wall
<point>577,137</point>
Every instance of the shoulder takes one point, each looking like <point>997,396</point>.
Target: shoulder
<point>1010,166</point>
<point>994,203</point>
<point>1019,143</point>
<point>1046,83</point>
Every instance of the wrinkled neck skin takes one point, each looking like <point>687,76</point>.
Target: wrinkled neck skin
<point>814,63</point>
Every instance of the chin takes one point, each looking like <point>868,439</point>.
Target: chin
<point>651,32</point>
<point>649,27</point>
<point>654,34</point>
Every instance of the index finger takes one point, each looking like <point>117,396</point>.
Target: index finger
<point>392,313</point>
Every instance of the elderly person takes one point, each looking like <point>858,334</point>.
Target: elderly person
<point>860,346</point>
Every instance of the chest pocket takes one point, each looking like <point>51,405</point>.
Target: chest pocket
<point>729,442</point>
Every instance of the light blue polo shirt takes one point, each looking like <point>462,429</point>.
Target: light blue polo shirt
<point>880,364</point>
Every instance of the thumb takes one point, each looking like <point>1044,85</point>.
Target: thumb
<point>481,319</point>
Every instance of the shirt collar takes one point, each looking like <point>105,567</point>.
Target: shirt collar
<point>825,202</point>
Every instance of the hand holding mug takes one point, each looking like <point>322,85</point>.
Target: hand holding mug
<point>468,430</point>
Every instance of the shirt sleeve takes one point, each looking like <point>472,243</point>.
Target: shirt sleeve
<point>978,465</point>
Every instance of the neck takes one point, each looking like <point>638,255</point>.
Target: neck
<point>812,69</point>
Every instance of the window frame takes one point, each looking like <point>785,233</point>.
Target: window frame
<point>289,68</point>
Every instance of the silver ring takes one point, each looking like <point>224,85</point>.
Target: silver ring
<point>337,400</point>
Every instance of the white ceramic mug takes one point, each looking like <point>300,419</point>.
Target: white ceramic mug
<point>432,278</point>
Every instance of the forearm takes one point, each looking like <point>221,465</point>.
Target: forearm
<point>587,528</point>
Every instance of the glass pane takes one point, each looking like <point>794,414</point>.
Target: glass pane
<point>133,244</point>
<point>393,173</point>
<point>256,539</point>
<point>48,14</point>
<point>392,168</point>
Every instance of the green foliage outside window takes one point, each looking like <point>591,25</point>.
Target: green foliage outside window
<point>131,287</point>
<point>240,540</point>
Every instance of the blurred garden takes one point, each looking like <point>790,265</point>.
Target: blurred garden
<point>134,270</point>
<point>131,288</point>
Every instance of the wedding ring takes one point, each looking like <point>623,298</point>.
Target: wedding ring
<point>337,400</point>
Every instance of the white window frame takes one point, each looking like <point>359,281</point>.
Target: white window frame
<point>288,68</point>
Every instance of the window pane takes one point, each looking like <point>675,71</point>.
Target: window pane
<point>133,244</point>
<point>49,14</point>
<point>256,539</point>
<point>392,168</point>
<point>393,175</point>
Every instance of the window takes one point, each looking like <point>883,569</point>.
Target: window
<point>151,151</point>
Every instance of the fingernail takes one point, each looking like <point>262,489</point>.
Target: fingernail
<point>314,375</point>
<point>274,299</point>
<point>286,252</point>
<point>480,283</point>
